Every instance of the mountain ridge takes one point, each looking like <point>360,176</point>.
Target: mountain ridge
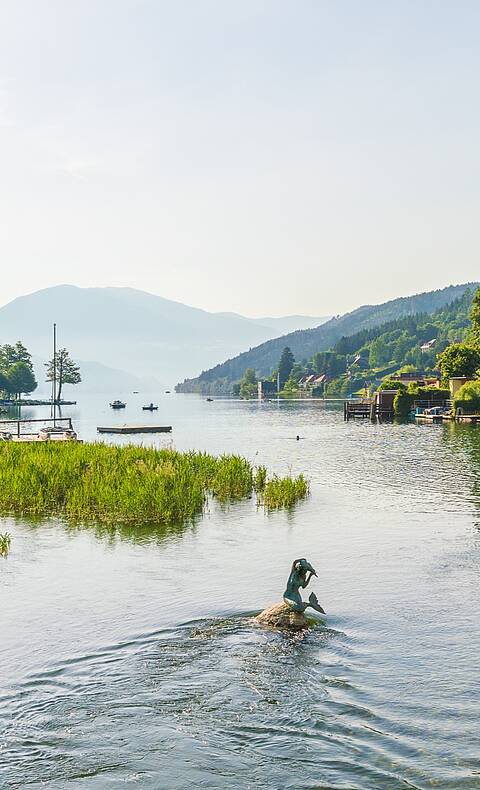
<point>304,343</point>
<point>128,329</point>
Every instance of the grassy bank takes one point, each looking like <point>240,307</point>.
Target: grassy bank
<point>108,484</point>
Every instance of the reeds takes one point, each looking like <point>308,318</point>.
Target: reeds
<point>284,491</point>
<point>99,483</point>
<point>5,540</point>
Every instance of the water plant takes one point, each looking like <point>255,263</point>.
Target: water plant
<point>5,540</point>
<point>104,484</point>
<point>259,479</point>
<point>285,491</point>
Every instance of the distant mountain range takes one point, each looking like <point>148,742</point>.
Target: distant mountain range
<point>123,329</point>
<point>264,358</point>
<point>284,324</point>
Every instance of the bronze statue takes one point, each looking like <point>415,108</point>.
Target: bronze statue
<point>300,576</point>
<point>290,615</point>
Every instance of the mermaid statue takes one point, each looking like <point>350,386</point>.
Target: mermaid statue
<point>300,576</point>
<point>290,615</point>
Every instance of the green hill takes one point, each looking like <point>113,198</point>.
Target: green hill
<point>306,343</point>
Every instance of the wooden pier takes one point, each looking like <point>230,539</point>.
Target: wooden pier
<point>377,408</point>
<point>124,429</point>
<point>18,434</point>
<point>361,409</point>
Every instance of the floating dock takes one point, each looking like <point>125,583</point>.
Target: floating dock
<point>135,429</point>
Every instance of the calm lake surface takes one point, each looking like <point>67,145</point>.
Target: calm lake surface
<point>132,660</point>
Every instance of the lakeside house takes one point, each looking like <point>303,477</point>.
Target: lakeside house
<point>417,377</point>
<point>312,380</point>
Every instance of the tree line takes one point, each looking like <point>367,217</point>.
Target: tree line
<point>304,344</point>
<point>372,354</point>
<point>17,376</point>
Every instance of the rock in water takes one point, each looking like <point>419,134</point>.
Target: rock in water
<point>282,617</point>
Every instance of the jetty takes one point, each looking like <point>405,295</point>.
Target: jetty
<point>31,402</point>
<point>57,429</point>
<point>123,429</point>
<point>378,407</point>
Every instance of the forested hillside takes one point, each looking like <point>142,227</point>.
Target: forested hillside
<point>409,344</point>
<point>306,343</point>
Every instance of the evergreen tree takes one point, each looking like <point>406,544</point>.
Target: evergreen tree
<point>67,372</point>
<point>285,366</point>
<point>474,335</point>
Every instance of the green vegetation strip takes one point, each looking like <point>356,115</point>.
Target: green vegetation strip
<point>98,483</point>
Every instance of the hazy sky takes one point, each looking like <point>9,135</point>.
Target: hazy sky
<point>261,156</point>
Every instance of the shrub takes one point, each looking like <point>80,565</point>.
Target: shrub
<point>402,404</point>
<point>392,384</point>
<point>458,360</point>
<point>467,398</point>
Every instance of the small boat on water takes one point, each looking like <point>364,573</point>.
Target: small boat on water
<point>150,407</point>
<point>118,404</point>
<point>167,392</point>
<point>209,400</point>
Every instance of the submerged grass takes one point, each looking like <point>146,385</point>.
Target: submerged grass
<point>100,483</point>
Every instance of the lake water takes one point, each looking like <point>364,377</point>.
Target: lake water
<point>132,660</point>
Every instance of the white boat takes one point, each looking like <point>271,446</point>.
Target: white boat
<point>118,404</point>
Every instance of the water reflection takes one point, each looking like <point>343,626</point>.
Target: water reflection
<point>133,660</point>
<point>463,440</point>
<point>134,533</point>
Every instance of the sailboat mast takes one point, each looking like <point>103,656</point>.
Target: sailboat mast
<point>54,372</point>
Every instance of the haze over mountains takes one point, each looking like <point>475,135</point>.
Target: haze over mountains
<point>111,330</point>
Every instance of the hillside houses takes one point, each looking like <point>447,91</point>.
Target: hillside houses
<point>428,346</point>
<point>312,380</point>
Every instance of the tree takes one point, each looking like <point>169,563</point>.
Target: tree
<point>285,366</point>
<point>20,378</point>
<point>468,398</point>
<point>9,355</point>
<point>4,383</point>
<point>249,384</point>
<point>330,363</point>
<point>67,372</point>
<point>457,360</point>
<point>474,334</point>
<point>380,353</point>
<point>391,384</point>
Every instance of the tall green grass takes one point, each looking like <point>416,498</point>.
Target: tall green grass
<point>99,483</point>
<point>5,540</point>
<point>285,491</point>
